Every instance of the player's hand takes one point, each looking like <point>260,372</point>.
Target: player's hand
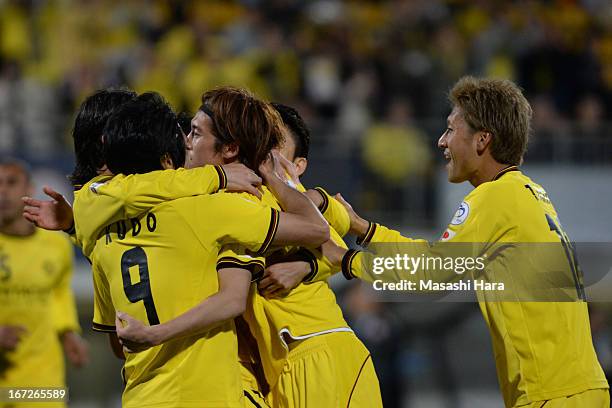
<point>10,336</point>
<point>76,349</point>
<point>359,226</point>
<point>276,166</point>
<point>132,334</point>
<point>285,168</point>
<point>54,214</point>
<point>280,278</point>
<point>241,178</point>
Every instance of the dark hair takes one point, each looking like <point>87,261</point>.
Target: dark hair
<point>497,106</point>
<point>23,166</point>
<point>87,132</point>
<point>184,121</point>
<point>239,117</point>
<point>297,126</point>
<point>140,134</point>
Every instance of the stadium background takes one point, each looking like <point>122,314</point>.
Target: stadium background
<point>371,79</point>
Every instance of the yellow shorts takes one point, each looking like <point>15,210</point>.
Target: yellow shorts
<point>329,371</point>
<point>253,397</point>
<point>592,399</point>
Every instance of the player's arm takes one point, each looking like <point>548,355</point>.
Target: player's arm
<point>228,303</point>
<point>104,311</point>
<point>64,313</point>
<point>334,212</point>
<point>283,275</point>
<point>135,194</point>
<point>301,222</point>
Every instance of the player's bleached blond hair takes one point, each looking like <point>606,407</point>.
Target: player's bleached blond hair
<point>497,106</point>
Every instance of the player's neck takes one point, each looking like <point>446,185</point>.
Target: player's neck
<point>487,172</point>
<point>17,227</point>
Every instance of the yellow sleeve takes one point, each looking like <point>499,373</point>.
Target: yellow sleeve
<point>64,311</point>
<point>321,268</point>
<point>234,256</point>
<point>104,311</point>
<point>334,212</point>
<point>476,223</point>
<point>137,193</point>
<point>109,199</point>
<point>235,219</point>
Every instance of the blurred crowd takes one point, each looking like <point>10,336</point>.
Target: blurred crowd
<point>349,62</point>
<point>370,77</point>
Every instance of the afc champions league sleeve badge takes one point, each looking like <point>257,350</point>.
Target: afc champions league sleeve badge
<point>461,214</point>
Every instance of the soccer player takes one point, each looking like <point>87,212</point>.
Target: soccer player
<point>281,277</point>
<point>37,310</point>
<point>228,138</point>
<point>93,113</point>
<point>159,265</point>
<point>302,336</point>
<point>543,350</point>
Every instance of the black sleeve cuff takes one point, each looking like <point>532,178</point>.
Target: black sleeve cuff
<point>256,267</point>
<point>71,230</point>
<point>364,241</point>
<point>325,203</point>
<point>309,257</point>
<point>222,177</point>
<point>274,219</point>
<point>347,263</point>
<point>103,328</point>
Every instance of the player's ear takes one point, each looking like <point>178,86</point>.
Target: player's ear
<point>166,162</point>
<point>483,140</point>
<point>230,151</point>
<point>301,163</point>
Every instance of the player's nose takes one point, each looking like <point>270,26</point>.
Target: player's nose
<point>188,145</point>
<point>442,141</point>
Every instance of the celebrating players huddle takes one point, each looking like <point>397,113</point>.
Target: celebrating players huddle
<point>210,258</point>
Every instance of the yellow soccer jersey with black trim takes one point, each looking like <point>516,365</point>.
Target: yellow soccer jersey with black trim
<point>334,212</point>
<point>319,313</point>
<point>306,310</point>
<point>543,350</point>
<point>35,274</point>
<point>160,266</point>
<point>122,197</point>
<point>339,222</point>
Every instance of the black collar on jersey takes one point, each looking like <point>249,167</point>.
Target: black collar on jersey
<point>504,171</point>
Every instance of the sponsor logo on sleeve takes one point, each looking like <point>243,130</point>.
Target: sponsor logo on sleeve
<point>448,234</point>
<point>461,214</point>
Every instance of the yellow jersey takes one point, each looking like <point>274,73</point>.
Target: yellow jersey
<point>308,310</point>
<point>121,197</point>
<point>543,350</point>
<point>35,275</point>
<point>159,265</point>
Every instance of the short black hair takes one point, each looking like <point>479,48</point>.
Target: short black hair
<point>87,131</point>
<point>299,131</point>
<point>140,134</point>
